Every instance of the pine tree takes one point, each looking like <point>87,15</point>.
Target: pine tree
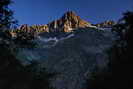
<point>14,75</point>
<point>119,74</point>
<point>6,15</point>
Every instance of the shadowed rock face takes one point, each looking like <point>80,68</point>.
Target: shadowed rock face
<point>73,58</point>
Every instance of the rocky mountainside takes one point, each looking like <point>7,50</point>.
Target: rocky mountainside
<point>67,23</point>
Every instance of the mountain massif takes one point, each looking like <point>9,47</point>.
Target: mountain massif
<point>77,49</point>
<point>69,22</point>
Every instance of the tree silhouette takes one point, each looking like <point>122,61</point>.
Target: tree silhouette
<point>118,75</point>
<point>6,15</point>
<point>14,75</point>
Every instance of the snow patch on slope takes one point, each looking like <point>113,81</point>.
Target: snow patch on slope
<point>51,41</point>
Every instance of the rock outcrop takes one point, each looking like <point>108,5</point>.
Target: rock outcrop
<point>106,24</point>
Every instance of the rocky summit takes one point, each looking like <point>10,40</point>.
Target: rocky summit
<point>68,22</point>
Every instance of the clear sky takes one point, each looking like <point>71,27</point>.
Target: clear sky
<point>44,11</point>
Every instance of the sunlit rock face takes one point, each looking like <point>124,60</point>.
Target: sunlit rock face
<point>68,22</point>
<point>106,24</point>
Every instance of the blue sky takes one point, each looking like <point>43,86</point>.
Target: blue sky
<point>44,11</point>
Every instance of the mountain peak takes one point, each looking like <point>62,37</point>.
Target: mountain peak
<point>69,21</point>
<point>69,14</point>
